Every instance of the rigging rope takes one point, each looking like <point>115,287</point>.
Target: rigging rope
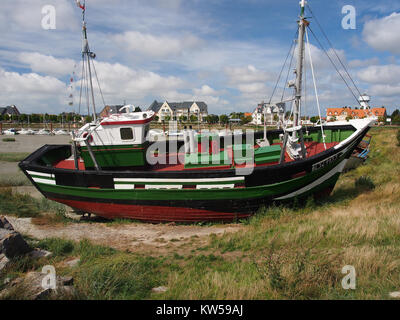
<point>340,60</point>
<point>334,65</point>
<point>315,87</point>
<point>280,74</point>
<point>98,83</point>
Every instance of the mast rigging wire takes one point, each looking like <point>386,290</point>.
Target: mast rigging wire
<point>337,56</point>
<point>315,87</point>
<point>334,65</point>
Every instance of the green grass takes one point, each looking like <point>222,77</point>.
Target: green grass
<point>23,205</point>
<point>13,156</point>
<point>14,180</point>
<point>8,139</point>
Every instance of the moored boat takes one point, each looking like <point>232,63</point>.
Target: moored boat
<point>113,170</point>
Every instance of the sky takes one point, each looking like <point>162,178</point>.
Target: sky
<point>227,53</point>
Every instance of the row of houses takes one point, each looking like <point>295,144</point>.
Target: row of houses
<point>365,111</point>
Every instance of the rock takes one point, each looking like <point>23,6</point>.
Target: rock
<point>33,289</point>
<point>395,294</point>
<point>39,253</point>
<point>12,244</point>
<point>159,289</point>
<point>4,224</point>
<point>4,261</point>
<point>73,263</point>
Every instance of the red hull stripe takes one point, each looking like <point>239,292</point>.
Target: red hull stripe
<point>150,213</point>
<point>117,123</point>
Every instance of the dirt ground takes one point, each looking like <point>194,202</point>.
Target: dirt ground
<point>133,237</point>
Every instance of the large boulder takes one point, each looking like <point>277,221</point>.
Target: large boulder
<point>12,244</point>
<point>4,224</point>
<point>32,287</point>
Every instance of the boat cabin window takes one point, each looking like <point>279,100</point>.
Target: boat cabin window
<point>126,134</point>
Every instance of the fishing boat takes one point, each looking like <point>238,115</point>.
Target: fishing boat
<point>111,169</point>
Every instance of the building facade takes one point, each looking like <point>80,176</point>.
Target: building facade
<point>176,110</point>
<point>365,111</point>
<point>273,113</point>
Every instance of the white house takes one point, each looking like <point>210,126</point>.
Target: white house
<point>174,110</point>
<point>271,111</point>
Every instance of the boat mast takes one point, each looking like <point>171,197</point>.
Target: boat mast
<point>299,68</point>
<point>87,55</point>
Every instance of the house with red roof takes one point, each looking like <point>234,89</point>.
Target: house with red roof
<point>365,111</point>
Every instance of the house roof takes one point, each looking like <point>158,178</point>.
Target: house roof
<point>248,114</point>
<point>155,106</point>
<point>9,110</point>
<point>359,113</point>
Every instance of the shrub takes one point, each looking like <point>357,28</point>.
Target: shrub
<point>8,139</point>
<point>58,247</point>
<point>364,183</point>
<point>398,137</point>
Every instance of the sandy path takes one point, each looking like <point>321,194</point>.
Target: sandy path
<point>132,237</point>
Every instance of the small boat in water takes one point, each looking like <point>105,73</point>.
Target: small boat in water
<point>43,132</point>
<point>10,132</point>
<point>114,171</point>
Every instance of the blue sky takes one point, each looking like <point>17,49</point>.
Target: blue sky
<point>226,53</point>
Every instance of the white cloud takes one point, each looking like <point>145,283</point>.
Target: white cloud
<point>385,90</point>
<point>249,74</point>
<point>47,64</point>
<point>204,90</point>
<point>380,74</point>
<point>156,46</point>
<point>364,63</point>
<point>383,34</point>
<point>30,91</point>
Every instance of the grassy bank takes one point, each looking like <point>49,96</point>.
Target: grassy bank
<point>13,156</point>
<point>293,252</point>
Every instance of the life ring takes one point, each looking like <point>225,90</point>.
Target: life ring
<point>90,139</point>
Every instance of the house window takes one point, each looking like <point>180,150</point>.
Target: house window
<point>126,134</point>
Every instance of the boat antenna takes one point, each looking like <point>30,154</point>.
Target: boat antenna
<point>87,56</point>
<point>299,68</point>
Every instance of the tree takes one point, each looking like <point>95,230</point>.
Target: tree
<point>314,119</point>
<point>193,118</point>
<point>398,137</point>
<point>245,120</point>
<point>212,118</point>
<point>182,118</point>
<point>382,119</point>
<point>223,118</point>
<point>396,117</point>
<point>88,119</point>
